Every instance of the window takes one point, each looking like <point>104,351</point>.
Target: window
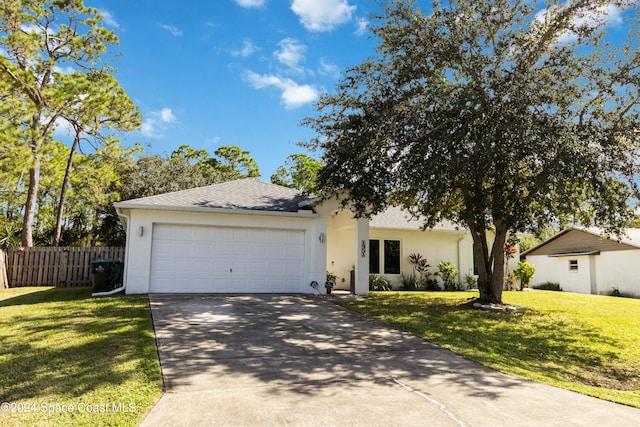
<point>374,256</point>
<point>573,265</point>
<point>392,257</point>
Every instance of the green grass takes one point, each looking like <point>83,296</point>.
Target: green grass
<point>62,349</point>
<point>588,344</point>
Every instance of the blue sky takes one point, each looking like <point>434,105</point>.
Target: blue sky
<point>240,72</point>
<point>233,72</point>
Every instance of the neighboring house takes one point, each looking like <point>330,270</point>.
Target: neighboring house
<point>582,260</point>
<point>248,236</point>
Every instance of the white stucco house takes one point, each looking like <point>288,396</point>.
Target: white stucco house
<point>248,236</point>
<point>583,260</point>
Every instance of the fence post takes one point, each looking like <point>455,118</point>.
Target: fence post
<point>4,282</point>
<point>64,267</point>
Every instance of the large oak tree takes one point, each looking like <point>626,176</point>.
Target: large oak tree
<point>499,115</point>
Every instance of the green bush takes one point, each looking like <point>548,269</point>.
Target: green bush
<point>471,281</point>
<point>378,283</point>
<point>548,286</point>
<point>449,273</point>
<point>430,284</point>
<point>411,282</point>
<point>524,272</point>
<point>615,292</point>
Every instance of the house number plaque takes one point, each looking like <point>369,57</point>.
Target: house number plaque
<point>363,249</point>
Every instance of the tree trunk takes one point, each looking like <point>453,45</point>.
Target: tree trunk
<point>34,180</point>
<point>30,205</point>
<point>481,250</point>
<point>498,256</point>
<point>490,264</point>
<point>63,190</point>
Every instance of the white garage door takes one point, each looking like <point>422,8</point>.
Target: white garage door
<point>188,258</point>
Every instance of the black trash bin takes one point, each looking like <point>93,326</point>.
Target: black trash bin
<point>106,276</point>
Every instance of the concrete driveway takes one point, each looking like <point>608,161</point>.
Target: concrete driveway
<point>302,361</point>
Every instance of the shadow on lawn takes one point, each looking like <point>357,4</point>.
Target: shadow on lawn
<point>533,341</point>
<point>52,294</point>
<point>73,345</point>
<point>297,344</point>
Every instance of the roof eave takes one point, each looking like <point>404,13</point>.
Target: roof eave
<point>302,213</point>
<point>574,253</point>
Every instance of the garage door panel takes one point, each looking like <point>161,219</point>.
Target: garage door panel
<point>258,251</point>
<point>294,268</point>
<point>232,260</point>
<point>294,253</point>
<point>259,267</point>
<point>203,249</point>
<point>220,267</point>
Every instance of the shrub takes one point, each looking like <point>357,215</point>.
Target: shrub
<point>548,286</point>
<point>411,282</point>
<point>471,281</point>
<point>524,272</point>
<point>420,264</point>
<point>378,283</point>
<point>615,292</point>
<point>449,273</point>
<point>430,284</point>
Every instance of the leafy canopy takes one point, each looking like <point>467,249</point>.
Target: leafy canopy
<point>503,115</point>
<point>300,171</point>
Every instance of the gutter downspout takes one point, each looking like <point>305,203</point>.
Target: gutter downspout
<point>462,236</point>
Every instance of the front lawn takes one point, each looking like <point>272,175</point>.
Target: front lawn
<point>69,359</point>
<point>589,344</point>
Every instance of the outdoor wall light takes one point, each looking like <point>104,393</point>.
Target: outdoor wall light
<point>140,231</point>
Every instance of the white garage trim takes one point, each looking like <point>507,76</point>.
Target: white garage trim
<point>219,259</point>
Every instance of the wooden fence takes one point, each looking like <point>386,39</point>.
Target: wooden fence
<point>54,266</point>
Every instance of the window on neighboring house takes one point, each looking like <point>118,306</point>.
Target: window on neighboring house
<point>374,256</point>
<point>573,265</point>
<point>392,257</point>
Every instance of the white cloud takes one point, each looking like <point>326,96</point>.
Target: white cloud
<point>64,70</point>
<point>212,141</point>
<point>291,53</point>
<point>108,18</point>
<point>31,28</point>
<point>251,3</point>
<point>62,128</point>
<point>248,48</point>
<point>328,69</point>
<point>148,127</point>
<point>293,95</point>
<point>322,15</point>
<point>166,115</point>
<point>361,26</point>
<point>172,29</point>
<point>156,122</point>
<point>605,15</point>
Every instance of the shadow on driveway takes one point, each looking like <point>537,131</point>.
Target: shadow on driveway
<point>300,360</point>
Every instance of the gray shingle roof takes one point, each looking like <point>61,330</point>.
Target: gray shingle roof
<point>397,218</point>
<point>246,194</point>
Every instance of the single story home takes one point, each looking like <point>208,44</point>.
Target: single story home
<point>583,260</point>
<point>248,236</point>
